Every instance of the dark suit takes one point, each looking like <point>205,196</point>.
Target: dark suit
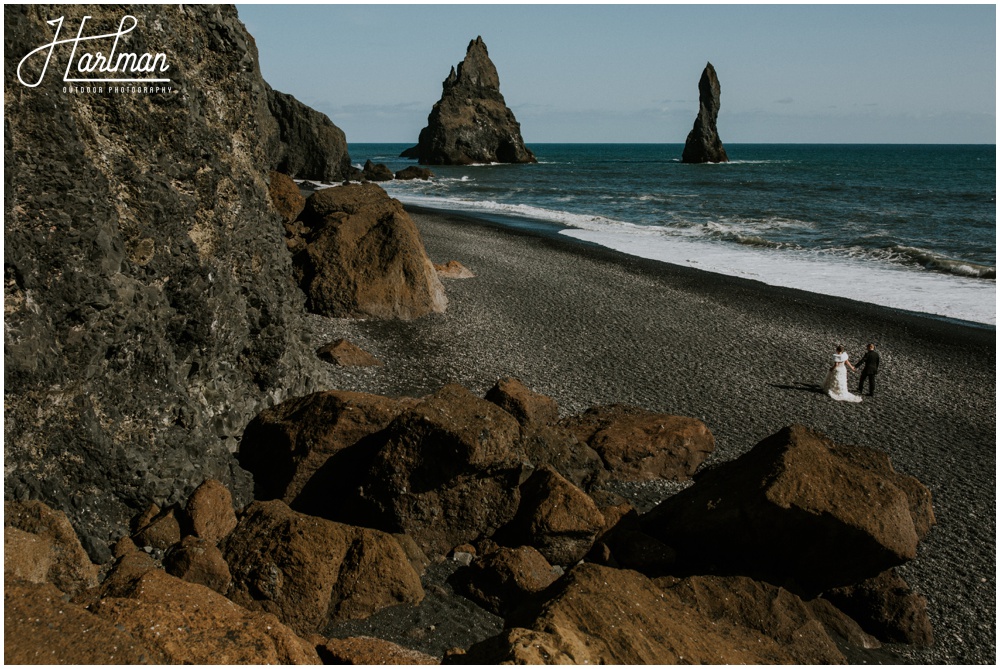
<point>868,368</point>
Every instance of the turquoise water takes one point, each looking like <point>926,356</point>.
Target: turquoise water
<point>908,226</point>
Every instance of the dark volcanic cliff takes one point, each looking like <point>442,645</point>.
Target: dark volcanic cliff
<point>471,122</point>
<point>703,144</point>
<point>149,308</point>
<point>310,146</point>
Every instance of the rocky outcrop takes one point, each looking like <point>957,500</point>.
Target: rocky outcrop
<point>414,172</point>
<point>555,517</point>
<point>309,571</point>
<point>148,309</point>
<point>41,628</point>
<point>640,445</point>
<point>40,546</point>
<point>797,509</point>
<point>198,561</point>
<point>447,471</point>
<point>310,146</point>
<point>503,578</point>
<point>286,445</point>
<point>531,409</point>
<point>471,122</point>
<point>286,196</point>
<point>191,624</point>
<point>599,615</point>
<point>886,607</point>
<point>362,256</point>
<point>376,172</point>
<point>703,144</point>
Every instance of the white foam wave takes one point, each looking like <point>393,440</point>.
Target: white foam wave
<point>897,287</point>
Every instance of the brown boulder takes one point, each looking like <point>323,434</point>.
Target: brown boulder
<point>447,472</point>
<point>500,580</point>
<point>345,354</point>
<point>414,172</point>
<point>558,447</point>
<point>363,257</point>
<point>531,409</point>
<point>285,445</point>
<point>191,624</point>
<point>599,615</point>
<point>453,270</point>
<point>370,651</point>
<point>886,607</point>
<point>40,627</point>
<point>46,535</point>
<point>640,445</point>
<point>759,607</point>
<point>200,561</point>
<point>555,517</point>
<point>210,511</point>
<point>378,172</point>
<point>797,509</point>
<point>286,197</point>
<point>309,571</point>
<point>162,532</point>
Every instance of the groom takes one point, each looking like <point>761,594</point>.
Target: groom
<point>868,368</point>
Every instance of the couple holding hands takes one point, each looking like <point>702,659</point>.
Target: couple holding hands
<point>835,384</point>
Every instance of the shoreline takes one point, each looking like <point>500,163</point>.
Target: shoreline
<point>551,233</point>
<point>588,325</point>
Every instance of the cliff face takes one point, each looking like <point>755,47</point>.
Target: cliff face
<point>471,122</point>
<point>310,146</point>
<point>149,308</point>
<point>703,144</point>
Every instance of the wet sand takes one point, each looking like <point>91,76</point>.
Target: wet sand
<point>589,326</point>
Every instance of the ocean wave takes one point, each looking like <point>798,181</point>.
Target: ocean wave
<point>939,263</point>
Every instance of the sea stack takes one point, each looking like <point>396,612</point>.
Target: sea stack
<point>471,122</point>
<point>703,144</point>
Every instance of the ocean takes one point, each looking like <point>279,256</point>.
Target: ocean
<point>911,227</point>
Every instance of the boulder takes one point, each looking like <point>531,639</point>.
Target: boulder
<point>191,624</point>
<point>555,517</point>
<point>285,445</point>
<point>502,579</point>
<point>363,257</point>
<point>209,512</point>
<point>310,572</point>
<point>414,172</point>
<point>531,409</point>
<point>310,146</point>
<point>797,510</point>
<point>198,561</point>
<point>41,628</point>
<point>703,144</point>
<point>345,354</point>
<point>370,651</point>
<point>286,196</point>
<point>447,471</point>
<point>640,445</point>
<point>453,270</point>
<point>887,608</point>
<point>145,278</point>
<point>558,447</point>
<point>600,615</point>
<point>44,548</point>
<point>759,607</point>
<point>161,532</point>
<point>471,122</point>
<point>379,172</point>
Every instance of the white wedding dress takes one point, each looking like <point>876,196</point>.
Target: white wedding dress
<point>835,384</point>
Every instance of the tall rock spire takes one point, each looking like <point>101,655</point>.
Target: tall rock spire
<point>471,122</point>
<point>703,144</point>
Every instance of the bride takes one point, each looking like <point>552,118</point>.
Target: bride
<point>835,384</point>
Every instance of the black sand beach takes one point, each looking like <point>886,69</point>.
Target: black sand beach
<point>591,326</point>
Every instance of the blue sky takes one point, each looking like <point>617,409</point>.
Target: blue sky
<point>603,73</point>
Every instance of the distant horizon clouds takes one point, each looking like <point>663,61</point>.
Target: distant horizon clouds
<point>612,73</point>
